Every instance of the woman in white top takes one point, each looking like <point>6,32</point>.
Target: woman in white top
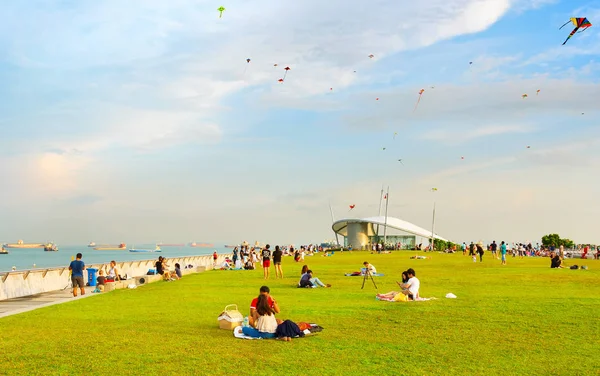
<point>113,272</point>
<point>266,325</point>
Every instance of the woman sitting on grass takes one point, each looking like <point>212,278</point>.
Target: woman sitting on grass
<point>307,280</point>
<point>266,325</point>
<point>394,296</point>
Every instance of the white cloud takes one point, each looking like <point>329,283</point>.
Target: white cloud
<point>467,134</point>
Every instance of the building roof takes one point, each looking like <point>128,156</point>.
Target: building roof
<point>341,226</point>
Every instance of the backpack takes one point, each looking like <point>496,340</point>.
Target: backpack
<point>574,267</point>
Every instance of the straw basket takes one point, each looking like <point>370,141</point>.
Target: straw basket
<point>230,318</point>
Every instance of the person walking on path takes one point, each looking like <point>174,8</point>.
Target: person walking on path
<point>215,259</point>
<point>77,267</point>
<point>277,261</point>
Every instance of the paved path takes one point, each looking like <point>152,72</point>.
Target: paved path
<point>29,303</point>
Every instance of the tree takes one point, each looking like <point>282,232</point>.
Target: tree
<point>555,240</point>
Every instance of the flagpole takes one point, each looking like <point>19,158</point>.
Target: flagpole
<point>337,240</point>
<point>379,213</point>
<point>387,200</point>
<point>432,226</point>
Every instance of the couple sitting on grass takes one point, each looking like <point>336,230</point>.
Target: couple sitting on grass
<point>309,281</point>
<point>410,289</point>
<point>262,321</point>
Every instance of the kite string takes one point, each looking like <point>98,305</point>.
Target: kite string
<point>564,25</point>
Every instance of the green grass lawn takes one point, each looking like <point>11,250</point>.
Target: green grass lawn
<point>523,318</point>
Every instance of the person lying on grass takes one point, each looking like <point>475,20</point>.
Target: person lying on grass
<point>307,280</point>
<point>264,291</point>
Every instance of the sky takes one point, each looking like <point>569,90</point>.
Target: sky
<point>142,121</point>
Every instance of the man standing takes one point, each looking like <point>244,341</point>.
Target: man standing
<point>494,248</point>
<point>277,261</point>
<point>215,259</point>
<point>264,290</point>
<point>471,249</point>
<point>77,267</point>
<point>266,260</point>
<point>503,252</point>
<point>464,248</point>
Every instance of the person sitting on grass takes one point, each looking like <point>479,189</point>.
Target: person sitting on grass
<point>265,323</point>
<point>307,280</point>
<point>395,295</point>
<point>411,287</point>
<point>555,261</point>
<point>177,274</point>
<point>264,290</point>
<point>369,267</point>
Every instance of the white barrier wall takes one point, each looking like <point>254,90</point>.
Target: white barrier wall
<point>34,281</point>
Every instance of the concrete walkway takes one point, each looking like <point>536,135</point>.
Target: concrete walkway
<point>29,303</point>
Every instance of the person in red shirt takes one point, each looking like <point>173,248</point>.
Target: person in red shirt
<point>264,290</point>
<point>215,259</point>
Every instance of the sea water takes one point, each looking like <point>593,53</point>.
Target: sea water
<point>36,258</point>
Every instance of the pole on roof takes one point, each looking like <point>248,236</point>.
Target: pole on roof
<point>337,240</point>
<point>387,200</point>
<point>379,213</point>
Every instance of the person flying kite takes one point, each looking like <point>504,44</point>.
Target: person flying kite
<point>221,9</point>
<point>579,23</point>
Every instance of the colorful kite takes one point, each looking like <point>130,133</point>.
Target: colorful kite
<point>286,70</point>
<point>433,189</point>
<point>524,96</point>
<point>419,100</point>
<point>221,9</point>
<point>352,207</point>
<point>579,23</point>
<point>280,80</point>
<point>371,56</point>
<point>376,99</point>
<point>538,91</point>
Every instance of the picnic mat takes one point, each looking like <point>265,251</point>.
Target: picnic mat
<point>362,275</point>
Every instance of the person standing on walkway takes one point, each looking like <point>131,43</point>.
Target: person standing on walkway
<point>266,260</point>
<point>277,261</point>
<point>494,249</point>
<point>77,267</point>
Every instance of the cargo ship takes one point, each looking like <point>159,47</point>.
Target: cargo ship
<point>202,245</point>
<point>20,244</point>
<point>157,249</point>
<point>120,247</point>
<point>92,245</point>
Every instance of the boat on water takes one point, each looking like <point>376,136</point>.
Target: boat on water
<point>157,249</point>
<point>3,251</point>
<point>50,247</point>
<point>120,247</point>
<point>20,244</point>
<point>202,245</point>
<point>92,245</point>
<point>230,246</point>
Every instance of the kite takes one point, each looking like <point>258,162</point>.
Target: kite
<point>538,91</point>
<point>221,9</point>
<point>524,96</point>
<point>280,80</point>
<point>579,23</point>
<point>352,207</point>
<point>383,148</point>
<point>462,157</point>
<point>286,70</point>
<point>400,160</point>
<point>247,61</point>
<point>528,147</point>
<point>274,65</point>
<point>419,100</point>
<point>395,134</point>
<point>433,189</point>
<point>376,99</point>
<point>371,56</point>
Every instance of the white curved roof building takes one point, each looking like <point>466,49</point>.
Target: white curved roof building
<point>358,230</point>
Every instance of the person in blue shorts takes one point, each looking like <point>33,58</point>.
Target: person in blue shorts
<point>503,252</point>
<point>77,267</point>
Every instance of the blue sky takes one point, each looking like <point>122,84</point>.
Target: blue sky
<point>139,121</point>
